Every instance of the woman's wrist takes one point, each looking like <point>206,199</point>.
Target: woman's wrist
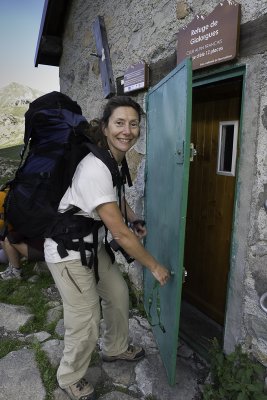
<point>136,222</point>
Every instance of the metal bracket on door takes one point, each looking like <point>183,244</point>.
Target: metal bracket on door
<point>180,152</point>
<point>193,151</point>
<point>184,274</point>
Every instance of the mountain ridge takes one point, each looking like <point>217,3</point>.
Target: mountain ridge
<point>14,102</point>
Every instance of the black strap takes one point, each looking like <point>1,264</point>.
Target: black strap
<point>82,251</point>
<point>65,243</point>
<point>126,173</point>
<point>79,245</point>
<point>107,159</point>
<point>107,247</point>
<point>118,180</point>
<point>95,249</point>
<point>125,209</point>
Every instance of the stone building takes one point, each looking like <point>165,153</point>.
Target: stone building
<point>224,109</point>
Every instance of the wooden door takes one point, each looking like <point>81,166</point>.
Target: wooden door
<point>210,201</point>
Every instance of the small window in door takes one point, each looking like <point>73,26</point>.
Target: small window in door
<point>226,163</point>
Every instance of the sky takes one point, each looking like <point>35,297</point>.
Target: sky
<point>20,22</point>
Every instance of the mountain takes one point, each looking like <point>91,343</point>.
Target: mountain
<point>14,102</point>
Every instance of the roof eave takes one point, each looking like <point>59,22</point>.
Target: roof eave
<point>49,45</point>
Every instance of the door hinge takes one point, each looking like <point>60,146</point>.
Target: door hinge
<point>193,151</point>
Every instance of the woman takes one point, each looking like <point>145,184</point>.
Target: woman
<point>93,192</point>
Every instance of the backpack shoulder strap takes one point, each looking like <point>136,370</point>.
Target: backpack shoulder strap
<point>106,158</point>
<point>112,165</point>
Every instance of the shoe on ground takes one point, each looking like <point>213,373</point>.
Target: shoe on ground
<point>8,268</point>
<point>11,273</point>
<point>133,353</point>
<point>81,390</point>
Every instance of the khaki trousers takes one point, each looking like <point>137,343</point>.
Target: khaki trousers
<point>80,295</point>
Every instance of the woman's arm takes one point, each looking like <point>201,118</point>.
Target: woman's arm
<point>111,216</point>
<point>139,229</point>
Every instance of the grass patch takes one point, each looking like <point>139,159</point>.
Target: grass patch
<point>17,111</point>
<point>235,376</point>
<point>22,292</point>
<point>11,153</point>
<point>50,328</point>
<point>135,297</point>
<point>7,345</point>
<point>47,371</point>
<point>30,295</point>
<point>95,359</point>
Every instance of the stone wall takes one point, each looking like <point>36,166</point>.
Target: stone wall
<point>146,30</point>
<point>255,319</point>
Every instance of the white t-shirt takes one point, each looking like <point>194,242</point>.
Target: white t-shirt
<point>91,186</point>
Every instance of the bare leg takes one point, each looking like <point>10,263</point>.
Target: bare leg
<point>3,257</point>
<point>13,271</point>
<point>14,252</point>
<point>22,248</point>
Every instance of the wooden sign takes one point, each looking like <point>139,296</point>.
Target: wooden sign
<point>212,39</point>
<point>136,77</point>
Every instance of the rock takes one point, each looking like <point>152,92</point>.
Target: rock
<point>59,394</point>
<point>182,9</point>
<point>116,396</point>
<point>60,329</point>
<point>141,334</point>
<point>53,304</point>
<point>41,268</point>
<point>94,375</point>
<point>13,317</point>
<point>39,336</point>
<point>54,351</point>
<point>34,279</point>
<point>52,293</point>
<point>123,374</point>
<point>152,380</point>
<point>54,314</point>
<point>20,377</point>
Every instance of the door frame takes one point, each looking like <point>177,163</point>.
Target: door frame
<point>202,79</point>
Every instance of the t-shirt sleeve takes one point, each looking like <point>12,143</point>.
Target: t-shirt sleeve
<point>92,184</point>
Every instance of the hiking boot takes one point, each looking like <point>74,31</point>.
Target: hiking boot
<point>11,273</point>
<point>81,390</point>
<point>133,353</point>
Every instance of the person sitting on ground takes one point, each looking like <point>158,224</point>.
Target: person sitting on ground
<point>3,256</point>
<point>16,247</point>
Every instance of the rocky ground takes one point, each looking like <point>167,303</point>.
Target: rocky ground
<point>7,168</point>
<point>146,379</point>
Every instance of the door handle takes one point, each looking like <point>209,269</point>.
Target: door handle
<point>172,273</point>
<point>184,275</point>
<point>193,152</point>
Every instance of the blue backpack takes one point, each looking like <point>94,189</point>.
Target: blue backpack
<point>55,143</point>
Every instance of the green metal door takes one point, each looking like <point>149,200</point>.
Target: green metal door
<point>169,106</point>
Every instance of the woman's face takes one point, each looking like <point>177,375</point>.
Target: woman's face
<point>122,131</point>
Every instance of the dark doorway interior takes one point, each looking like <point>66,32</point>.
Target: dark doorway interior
<point>209,213</point>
